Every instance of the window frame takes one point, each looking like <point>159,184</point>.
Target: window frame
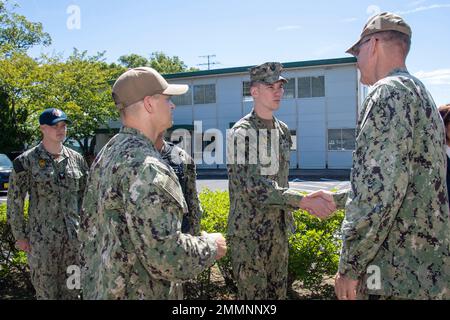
<point>204,94</point>
<point>341,149</point>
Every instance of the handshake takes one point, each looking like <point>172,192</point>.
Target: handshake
<point>319,203</point>
<point>220,242</point>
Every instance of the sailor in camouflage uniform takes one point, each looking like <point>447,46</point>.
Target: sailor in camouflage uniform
<point>261,202</point>
<point>132,245</point>
<point>54,178</point>
<point>396,227</point>
<point>184,167</point>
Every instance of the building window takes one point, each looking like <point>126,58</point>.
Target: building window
<point>311,87</point>
<point>205,93</point>
<point>289,89</point>
<point>294,140</point>
<point>341,139</point>
<point>246,95</point>
<point>184,99</point>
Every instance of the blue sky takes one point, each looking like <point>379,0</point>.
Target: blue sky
<point>242,33</point>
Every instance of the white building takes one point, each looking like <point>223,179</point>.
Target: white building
<point>320,106</point>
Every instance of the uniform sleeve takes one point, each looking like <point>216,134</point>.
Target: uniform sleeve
<point>340,198</point>
<point>153,221</point>
<point>379,182</point>
<point>195,212</point>
<point>19,183</point>
<point>265,192</point>
<point>85,173</point>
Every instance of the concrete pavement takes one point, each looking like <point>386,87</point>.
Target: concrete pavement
<point>303,185</point>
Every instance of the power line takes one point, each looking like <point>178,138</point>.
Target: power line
<point>209,63</point>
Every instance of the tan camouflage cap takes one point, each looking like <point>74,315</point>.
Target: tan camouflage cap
<point>268,72</point>
<point>385,21</point>
<point>136,84</point>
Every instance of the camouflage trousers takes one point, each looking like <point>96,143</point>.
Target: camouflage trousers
<point>260,268</point>
<point>48,268</point>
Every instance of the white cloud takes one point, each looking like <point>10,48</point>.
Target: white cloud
<point>286,28</point>
<point>435,77</point>
<point>419,9</point>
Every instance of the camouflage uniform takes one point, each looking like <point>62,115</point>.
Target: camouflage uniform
<point>184,168</point>
<point>261,202</point>
<point>132,247</point>
<point>55,189</point>
<point>260,215</point>
<point>397,215</point>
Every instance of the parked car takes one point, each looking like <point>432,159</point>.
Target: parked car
<point>5,170</point>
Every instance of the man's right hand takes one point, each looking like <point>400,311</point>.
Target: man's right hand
<point>23,245</point>
<point>220,242</point>
<point>319,203</point>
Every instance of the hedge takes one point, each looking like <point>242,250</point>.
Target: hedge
<point>11,258</point>
<point>313,249</point>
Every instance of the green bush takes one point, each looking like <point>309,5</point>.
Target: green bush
<point>314,248</point>
<point>11,259</point>
<point>216,205</point>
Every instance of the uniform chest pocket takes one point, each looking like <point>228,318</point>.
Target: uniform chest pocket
<point>73,180</point>
<point>285,152</point>
<point>43,181</point>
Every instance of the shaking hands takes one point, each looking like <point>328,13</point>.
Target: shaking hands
<point>220,242</point>
<point>319,203</point>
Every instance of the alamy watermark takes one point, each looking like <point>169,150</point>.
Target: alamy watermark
<point>243,147</point>
<point>374,277</point>
<point>73,21</point>
<point>73,282</point>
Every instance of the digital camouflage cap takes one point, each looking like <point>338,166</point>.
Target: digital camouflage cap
<point>385,21</point>
<point>269,72</point>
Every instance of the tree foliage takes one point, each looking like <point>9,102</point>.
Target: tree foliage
<point>17,34</point>
<point>133,61</point>
<point>15,109</point>
<point>158,60</point>
<point>80,84</point>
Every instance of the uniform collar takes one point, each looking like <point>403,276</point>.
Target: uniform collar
<point>397,71</point>
<point>166,148</point>
<point>260,124</point>
<point>43,153</point>
<point>138,134</point>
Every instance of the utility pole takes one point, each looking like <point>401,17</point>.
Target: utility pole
<point>209,56</point>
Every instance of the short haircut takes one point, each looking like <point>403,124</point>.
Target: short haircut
<point>403,40</point>
<point>254,83</point>
<point>130,109</point>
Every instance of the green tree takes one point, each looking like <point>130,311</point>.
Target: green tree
<point>81,86</point>
<point>133,61</point>
<point>165,64</point>
<point>17,34</point>
<point>158,60</point>
<point>15,108</point>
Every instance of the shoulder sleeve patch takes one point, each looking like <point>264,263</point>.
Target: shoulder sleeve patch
<point>18,166</point>
<point>166,183</point>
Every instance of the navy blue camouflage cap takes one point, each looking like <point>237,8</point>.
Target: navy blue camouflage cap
<point>269,72</point>
<point>52,116</point>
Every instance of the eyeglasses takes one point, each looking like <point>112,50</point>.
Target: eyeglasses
<point>358,46</point>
